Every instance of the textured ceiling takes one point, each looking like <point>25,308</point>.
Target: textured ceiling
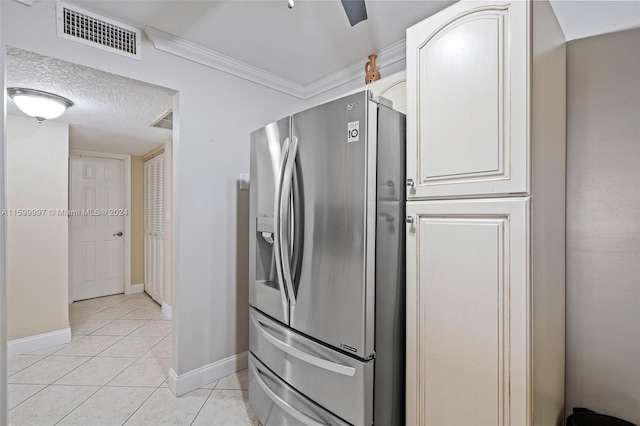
<point>111,113</point>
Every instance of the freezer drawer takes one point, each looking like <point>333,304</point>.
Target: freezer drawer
<point>277,404</point>
<point>339,383</point>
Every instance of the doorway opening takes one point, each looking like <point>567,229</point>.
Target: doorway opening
<point>76,276</point>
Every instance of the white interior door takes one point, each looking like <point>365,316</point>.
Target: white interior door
<point>154,208</point>
<point>97,218</point>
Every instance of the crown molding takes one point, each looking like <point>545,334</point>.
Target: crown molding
<point>194,52</point>
<point>390,55</point>
<point>25,2</point>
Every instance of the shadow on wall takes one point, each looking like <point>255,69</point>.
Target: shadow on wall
<point>240,293</point>
<point>242,269</point>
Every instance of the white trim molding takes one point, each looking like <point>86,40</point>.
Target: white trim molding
<point>26,2</point>
<point>175,45</point>
<point>388,56</point>
<point>194,52</point>
<point>167,310</point>
<point>184,383</point>
<point>38,342</point>
<point>135,288</point>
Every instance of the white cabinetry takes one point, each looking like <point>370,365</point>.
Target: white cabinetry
<point>393,88</point>
<point>485,249</point>
<point>467,94</point>
<point>467,263</point>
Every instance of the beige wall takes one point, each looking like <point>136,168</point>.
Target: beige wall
<point>137,220</point>
<point>603,224</point>
<point>37,247</point>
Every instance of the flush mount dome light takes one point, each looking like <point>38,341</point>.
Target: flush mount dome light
<point>38,104</point>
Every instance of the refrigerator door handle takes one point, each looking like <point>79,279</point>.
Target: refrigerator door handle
<point>303,356</point>
<point>277,241</point>
<point>288,408</point>
<point>285,253</point>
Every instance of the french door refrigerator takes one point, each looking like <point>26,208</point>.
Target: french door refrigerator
<point>327,316</point>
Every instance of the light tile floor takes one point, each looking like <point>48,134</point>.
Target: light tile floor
<point>114,372</point>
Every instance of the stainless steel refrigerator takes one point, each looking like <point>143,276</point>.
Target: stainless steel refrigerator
<point>327,288</point>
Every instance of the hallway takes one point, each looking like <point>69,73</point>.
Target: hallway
<point>114,372</point>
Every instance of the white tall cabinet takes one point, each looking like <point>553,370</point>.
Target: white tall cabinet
<point>485,213</point>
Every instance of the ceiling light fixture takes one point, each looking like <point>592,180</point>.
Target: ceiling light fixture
<point>38,104</point>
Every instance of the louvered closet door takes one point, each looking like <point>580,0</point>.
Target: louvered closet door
<point>154,207</point>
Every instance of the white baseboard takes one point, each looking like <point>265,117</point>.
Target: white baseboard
<point>134,288</point>
<point>38,342</point>
<point>184,383</point>
<point>172,381</point>
<point>167,310</point>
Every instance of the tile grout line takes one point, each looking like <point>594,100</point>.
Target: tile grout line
<point>118,375</point>
<point>151,348</point>
<point>77,406</point>
<point>16,372</point>
<point>58,378</point>
<point>124,335</point>
<point>89,319</point>
<point>118,304</point>
<point>20,403</point>
<point>95,356</point>
<point>55,380</point>
<point>140,406</point>
<point>201,407</point>
<point>89,358</point>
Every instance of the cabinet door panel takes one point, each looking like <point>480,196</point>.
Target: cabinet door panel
<point>467,97</point>
<point>393,88</point>
<point>467,308</point>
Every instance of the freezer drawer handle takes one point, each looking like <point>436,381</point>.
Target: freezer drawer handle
<point>282,403</point>
<point>303,356</point>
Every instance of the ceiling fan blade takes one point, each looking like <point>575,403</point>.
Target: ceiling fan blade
<point>356,10</point>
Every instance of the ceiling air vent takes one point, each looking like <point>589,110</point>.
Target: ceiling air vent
<point>164,122</point>
<point>88,28</point>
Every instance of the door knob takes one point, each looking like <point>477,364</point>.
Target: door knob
<point>118,234</point>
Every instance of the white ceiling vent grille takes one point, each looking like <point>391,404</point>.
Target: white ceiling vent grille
<point>88,28</point>
<point>165,121</point>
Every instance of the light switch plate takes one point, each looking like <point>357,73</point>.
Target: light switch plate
<point>244,181</point>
